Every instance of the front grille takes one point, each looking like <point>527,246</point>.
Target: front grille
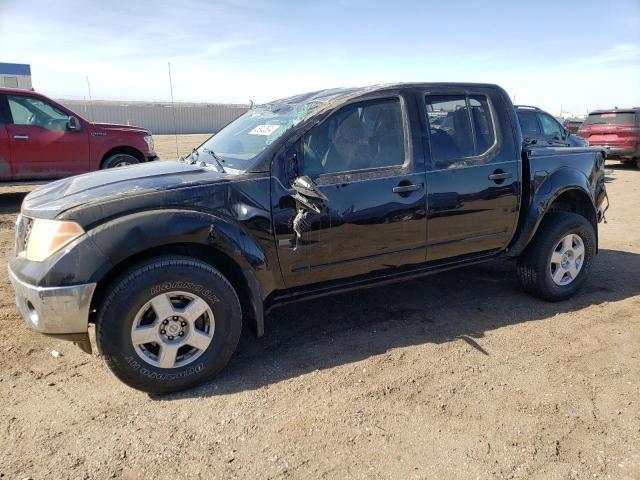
<point>23,230</point>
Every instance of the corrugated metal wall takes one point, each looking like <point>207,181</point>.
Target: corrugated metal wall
<point>159,117</point>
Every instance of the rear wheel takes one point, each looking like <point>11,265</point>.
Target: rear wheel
<point>168,324</point>
<point>119,160</point>
<point>637,159</point>
<point>560,257</point>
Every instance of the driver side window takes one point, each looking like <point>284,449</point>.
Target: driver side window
<point>32,111</point>
<point>360,136</point>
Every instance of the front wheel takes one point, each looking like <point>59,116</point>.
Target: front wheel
<point>560,257</point>
<point>119,160</point>
<point>168,324</point>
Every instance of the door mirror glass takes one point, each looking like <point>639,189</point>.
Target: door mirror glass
<point>73,124</point>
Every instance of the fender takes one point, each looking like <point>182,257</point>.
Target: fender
<point>545,190</point>
<point>127,236</point>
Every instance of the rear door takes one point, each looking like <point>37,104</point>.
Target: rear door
<point>362,160</point>
<point>41,144</point>
<point>473,172</point>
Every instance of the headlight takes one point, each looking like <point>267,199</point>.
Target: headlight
<point>48,236</point>
<point>149,140</point>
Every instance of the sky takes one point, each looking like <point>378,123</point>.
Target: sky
<point>574,55</point>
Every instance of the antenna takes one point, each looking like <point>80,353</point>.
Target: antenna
<point>90,99</point>
<point>173,108</point>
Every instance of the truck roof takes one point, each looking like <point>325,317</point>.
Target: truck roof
<point>16,90</point>
<point>337,95</point>
<point>616,110</point>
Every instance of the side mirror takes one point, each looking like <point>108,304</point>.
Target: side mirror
<point>307,188</point>
<point>308,194</point>
<point>73,124</point>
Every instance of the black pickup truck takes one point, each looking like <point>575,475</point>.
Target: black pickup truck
<point>313,194</point>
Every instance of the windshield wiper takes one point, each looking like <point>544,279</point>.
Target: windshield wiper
<point>215,157</point>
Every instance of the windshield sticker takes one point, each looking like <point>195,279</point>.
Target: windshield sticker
<point>608,115</point>
<point>265,130</point>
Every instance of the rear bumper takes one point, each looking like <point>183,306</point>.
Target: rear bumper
<point>619,152</point>
<point>54,310</point>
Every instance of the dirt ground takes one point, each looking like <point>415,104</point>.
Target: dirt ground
<point>165,145</point>
<point>459,375</point>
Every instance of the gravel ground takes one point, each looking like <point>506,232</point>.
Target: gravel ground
<point>459,375</point>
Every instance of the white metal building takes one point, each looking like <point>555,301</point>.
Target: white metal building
<point>15,75</point>
<point>159,117</point>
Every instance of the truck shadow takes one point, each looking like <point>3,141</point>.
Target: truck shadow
<point>11,202</point>
<point>458,305</point>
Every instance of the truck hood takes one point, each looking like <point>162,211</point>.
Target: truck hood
<point>114,127</point>
<point>117,186</point>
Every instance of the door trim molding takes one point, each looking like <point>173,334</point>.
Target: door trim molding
<point>352,260</point>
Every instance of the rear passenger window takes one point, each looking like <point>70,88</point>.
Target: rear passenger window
<point>482,124</point>
<point>460,127</point>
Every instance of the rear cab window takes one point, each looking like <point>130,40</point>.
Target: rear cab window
<point>528,123</point>
<point>611,118</point>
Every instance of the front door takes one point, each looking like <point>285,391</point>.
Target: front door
<point>473,176</point>
<point>373,219</point>
<point>42,145</point>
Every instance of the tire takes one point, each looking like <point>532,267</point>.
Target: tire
<point>637,160</point>
<point>119,160</point>
<point>132,336</point>
<point>540,263</point>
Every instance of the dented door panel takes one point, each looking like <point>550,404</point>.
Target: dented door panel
<point>366,229</point>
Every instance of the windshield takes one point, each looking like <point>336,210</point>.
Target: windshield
<point>240,142</point>
<point>610,118</point>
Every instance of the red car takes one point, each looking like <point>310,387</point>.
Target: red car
<point>617,130</point>
<point>40,139</point>
<point>572,125</point>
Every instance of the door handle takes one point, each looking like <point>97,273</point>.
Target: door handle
<point>407,188</point>
<point>499,175</point>
<point>21,137</point>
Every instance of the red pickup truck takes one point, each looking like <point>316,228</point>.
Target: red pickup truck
<point>40,140</point>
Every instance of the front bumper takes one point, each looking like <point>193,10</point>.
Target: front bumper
<point>60,311</point>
